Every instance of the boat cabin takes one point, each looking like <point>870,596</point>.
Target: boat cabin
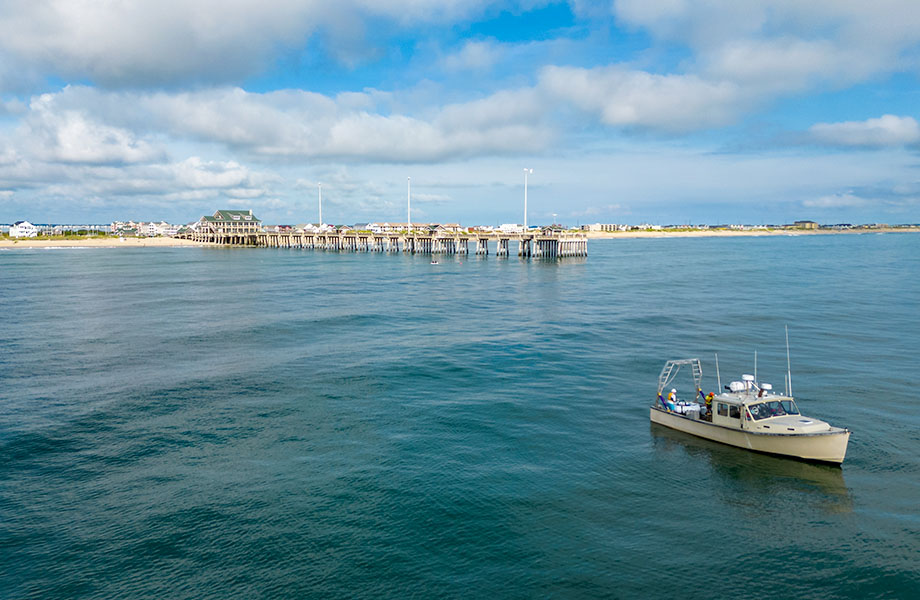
<point>726,411</point>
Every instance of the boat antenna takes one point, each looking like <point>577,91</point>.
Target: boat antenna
<point>788,366</point>
<point>755,366</point>
<point>718,375</point>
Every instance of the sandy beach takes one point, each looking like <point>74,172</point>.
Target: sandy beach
<point>743,233</point>
<point>97,242</point>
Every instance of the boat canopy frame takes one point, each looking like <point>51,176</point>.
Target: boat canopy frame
<point>672,368</point>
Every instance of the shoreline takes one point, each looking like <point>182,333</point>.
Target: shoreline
<point>106,242</point>
<point>608,235</point>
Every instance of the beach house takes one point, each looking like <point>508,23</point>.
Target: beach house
<point>23,229</point>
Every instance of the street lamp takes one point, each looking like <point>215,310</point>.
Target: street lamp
<point>320,186</point>
<point>408,204</point>
<point>554,219</point>
<point>526,172</point>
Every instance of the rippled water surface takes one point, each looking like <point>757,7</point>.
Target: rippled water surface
<point>207,423</point>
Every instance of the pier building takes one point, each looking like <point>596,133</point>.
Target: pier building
<point>229,226</point>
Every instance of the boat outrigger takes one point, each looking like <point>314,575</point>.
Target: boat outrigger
<point>747,415</point>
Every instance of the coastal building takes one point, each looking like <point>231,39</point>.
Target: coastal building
<point>604,227</point>
<point>313,228</point>
<point>805,225</point>
<point>23,229</point>
<point>163,228</point>
<point>144,228</point>
<point>230,222</point>
<point>391,227</point>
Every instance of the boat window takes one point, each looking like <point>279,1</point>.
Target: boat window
<point>772,408</point>
<point>723,410</point>
<point>734,412</point>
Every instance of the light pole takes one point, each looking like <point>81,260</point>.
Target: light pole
<point>554,219</point>
<point>526,172</point>
<point>408,204</point>
<point>320,186</point>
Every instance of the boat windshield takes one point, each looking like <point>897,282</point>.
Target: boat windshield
<point>773,408</point>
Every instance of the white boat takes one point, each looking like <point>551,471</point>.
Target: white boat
<point>749,415</point>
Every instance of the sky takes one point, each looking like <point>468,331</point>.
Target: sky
<point>628,111</point>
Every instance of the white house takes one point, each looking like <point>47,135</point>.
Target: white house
<point>511,228</point>
<point>21,229</point>
<point>167,229</point>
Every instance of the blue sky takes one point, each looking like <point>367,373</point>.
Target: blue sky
<point>661,111</point>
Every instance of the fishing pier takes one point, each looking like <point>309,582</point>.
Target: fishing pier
<point>546,244</point>
<point>242,228</point>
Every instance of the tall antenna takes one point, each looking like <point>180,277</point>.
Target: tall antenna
<point>526,171</point>
<point>320,186</point>
<point>718,375</point>
<point>755,366</point>
<point>788,365</point>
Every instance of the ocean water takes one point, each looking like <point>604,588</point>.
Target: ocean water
<point>270,423</point>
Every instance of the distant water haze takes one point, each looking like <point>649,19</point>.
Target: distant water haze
<point>208,422</point>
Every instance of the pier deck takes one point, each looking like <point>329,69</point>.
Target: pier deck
<point>530,245</point>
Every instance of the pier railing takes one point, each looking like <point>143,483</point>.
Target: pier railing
<point>529,245</point>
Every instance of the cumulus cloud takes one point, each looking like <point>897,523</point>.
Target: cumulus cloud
<point>783,46</point>
<point>194,172</point>
<point>112,146</point>
<point>625,97</point>
<point>298,124</point>
<point>136,43</point>
<point>781,65</point>
<point>74,157</point>
<point>887,130</point>
<point>474,56</point>
<point>11,107</point>
<point>72,136</point>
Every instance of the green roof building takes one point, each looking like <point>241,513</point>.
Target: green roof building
<point>231,222</point>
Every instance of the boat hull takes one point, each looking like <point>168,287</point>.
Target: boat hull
<point>826,446</point>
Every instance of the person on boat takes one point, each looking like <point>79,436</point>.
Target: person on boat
<point>666,404</point>
<point>709,398</point>
<point>672,399</point>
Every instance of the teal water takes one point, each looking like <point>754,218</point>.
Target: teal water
<point>258,423</point>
